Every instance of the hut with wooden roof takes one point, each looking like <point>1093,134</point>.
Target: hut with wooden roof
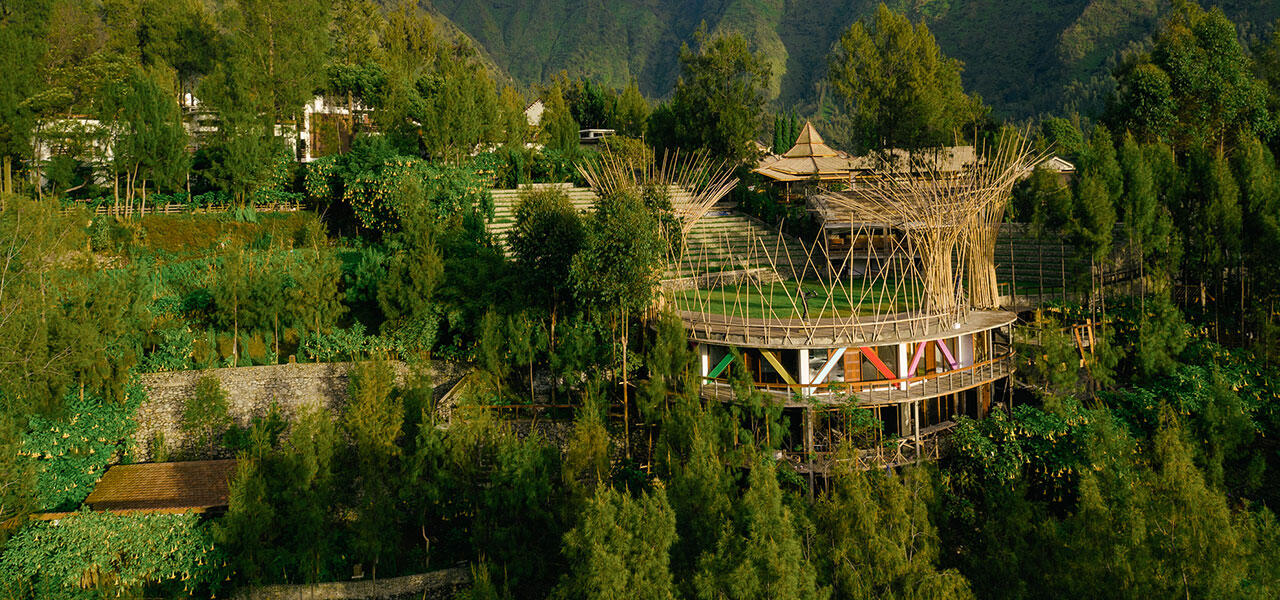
<point>810,159</point>
<point>170,487</point>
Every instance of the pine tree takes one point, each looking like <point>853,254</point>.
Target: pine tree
<point>560,131</point>
<point>875,538</point>
<point>719,98</point>
<point>896,84</point>
<point>759,554</point>
<point>631,112</point>
<point>373,419</point>
<point>1196,550</point>
<point>621,547</point>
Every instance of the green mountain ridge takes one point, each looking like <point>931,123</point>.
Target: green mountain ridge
<point>1023,58</point>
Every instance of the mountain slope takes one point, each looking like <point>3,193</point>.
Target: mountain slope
<point>1023,57</point>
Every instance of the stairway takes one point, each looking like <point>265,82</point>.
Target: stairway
<point>723,241</point>
<point>726,240</point>
<point>504,206</point>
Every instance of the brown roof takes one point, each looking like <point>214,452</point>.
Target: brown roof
<point>809,144</point>
<point>810,158</point>
<point>195,486</point>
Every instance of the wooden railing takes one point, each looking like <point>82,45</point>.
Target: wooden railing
<point>175,208</point>
<point>903,389</point>
<point>713,327</point>
<point>933,444</point>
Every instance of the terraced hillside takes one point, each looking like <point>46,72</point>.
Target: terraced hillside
<point>723,241</point>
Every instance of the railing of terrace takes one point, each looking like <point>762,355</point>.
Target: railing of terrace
<point>890,391</point>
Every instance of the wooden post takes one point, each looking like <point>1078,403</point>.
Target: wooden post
<point>808,443</point>
<point>1013,275</point>
<point>626,414</point>
<point>1062,262</point>
<point>1040,266</point>
<point>915,424</point>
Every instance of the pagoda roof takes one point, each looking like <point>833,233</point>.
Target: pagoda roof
<point>810,145</point>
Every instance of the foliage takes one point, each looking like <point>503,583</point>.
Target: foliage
<point>279,522</point>
<point>719,99</point>
<point>547,234</point>
<point>90,554</point>
<point>205,416</point>
<point>385,192</point>
<point>621,257</point>
<point>759,553</point>
<point>620,547</point>
<point>347,344</point>
<point>900,89</point>
<point>71,454</point>
<point>875,538</point>
<point>559,129</point>
<point>373,419</point>
<point>1196,88</point>
<point>145,131</point>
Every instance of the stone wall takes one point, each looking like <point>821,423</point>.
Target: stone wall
<point>251,392</point>
<point>436,585</point>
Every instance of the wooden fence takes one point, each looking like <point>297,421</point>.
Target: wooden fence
<point>176,208</point>
<point>1034,269</point>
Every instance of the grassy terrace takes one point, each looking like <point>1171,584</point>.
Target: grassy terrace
<point>780,300</point>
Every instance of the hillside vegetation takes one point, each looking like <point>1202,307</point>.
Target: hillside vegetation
<point>1024,58</point>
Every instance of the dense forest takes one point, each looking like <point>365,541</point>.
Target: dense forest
<point>1151,469</point>
<point>1025,58</point>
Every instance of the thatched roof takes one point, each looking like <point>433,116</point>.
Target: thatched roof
<point>809,145</point>
<point>810,157</point>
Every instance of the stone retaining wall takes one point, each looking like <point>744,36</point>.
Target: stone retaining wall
<point>251,391</point>
<point>436,585</point>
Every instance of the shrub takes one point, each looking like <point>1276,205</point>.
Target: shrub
<point>205,416</point>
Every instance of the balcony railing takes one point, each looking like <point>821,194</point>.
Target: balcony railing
<point>886,391</point>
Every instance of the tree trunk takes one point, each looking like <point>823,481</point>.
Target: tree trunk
<point>235,334</point>
<point>626,412</point>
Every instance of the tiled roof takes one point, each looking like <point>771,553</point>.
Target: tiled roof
<point>164,487</point>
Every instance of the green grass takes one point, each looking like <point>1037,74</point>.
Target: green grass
<point>780,300</point>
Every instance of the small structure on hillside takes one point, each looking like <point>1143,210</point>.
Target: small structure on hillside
<point>169,487</point>
<point>594,136</point>
<point>810,161</point>
<point>533,113</point>
<point>811,166</point>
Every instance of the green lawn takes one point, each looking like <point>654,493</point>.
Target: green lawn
<point>780,300</point>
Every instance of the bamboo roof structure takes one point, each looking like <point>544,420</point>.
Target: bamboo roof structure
<point>811,158</point>
<point>917,284</point>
